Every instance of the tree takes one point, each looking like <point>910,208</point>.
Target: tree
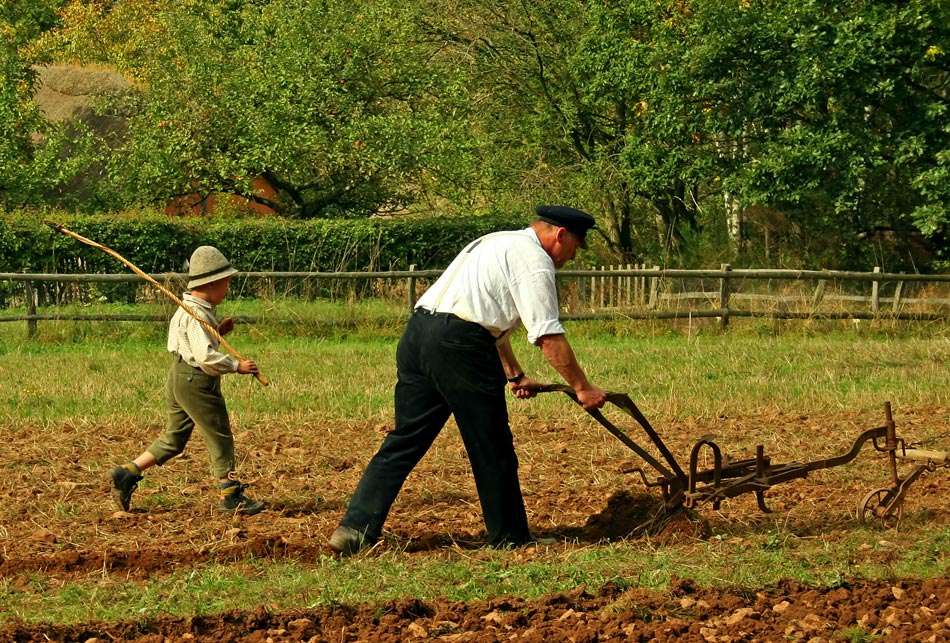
<point>858,94</point>
<point>32,163</point>
<point>669,119</point>
<point>832,112</point>
<point>18,120</point>
<point>333,102</point>
<point>537,131</point>
<point>633,61</point>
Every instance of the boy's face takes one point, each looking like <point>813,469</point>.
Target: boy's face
<point>215,292</point>
<point>220,290</point>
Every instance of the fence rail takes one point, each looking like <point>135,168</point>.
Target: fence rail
<point>632,292</point>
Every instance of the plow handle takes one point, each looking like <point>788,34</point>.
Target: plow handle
<point>623,402</point>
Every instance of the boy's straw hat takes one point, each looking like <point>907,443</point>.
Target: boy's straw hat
<point>207,264</point>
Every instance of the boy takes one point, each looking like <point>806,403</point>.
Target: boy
<point>193,389</point>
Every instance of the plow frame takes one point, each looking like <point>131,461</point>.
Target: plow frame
<point>692,487</point>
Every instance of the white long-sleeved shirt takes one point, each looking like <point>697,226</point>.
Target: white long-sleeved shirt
<point>496,281</point>
<point>190,340</point>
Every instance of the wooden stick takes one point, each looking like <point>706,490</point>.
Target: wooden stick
<point>211,329</point>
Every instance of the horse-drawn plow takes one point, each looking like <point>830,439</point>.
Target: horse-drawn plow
<point>691,487</point>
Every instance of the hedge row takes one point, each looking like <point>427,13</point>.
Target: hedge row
<point>157,243</point>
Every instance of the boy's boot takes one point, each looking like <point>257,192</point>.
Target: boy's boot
<point>233,499</point>
<point>125,479</point>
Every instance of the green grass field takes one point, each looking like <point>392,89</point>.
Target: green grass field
<point>337,361</point>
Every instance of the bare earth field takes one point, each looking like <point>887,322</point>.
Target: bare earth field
<point>61,526</point>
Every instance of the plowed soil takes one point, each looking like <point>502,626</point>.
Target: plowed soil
<point>580,489</point>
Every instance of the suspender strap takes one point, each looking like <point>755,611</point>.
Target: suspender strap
<point>458,267</point>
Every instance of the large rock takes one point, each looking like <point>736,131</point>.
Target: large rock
<point>66,93</point>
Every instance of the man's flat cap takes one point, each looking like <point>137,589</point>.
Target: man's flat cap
<point>576,221</point>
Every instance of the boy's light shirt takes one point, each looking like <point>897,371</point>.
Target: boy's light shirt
<point>193,343</point>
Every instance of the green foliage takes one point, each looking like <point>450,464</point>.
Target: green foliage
<point>332,103</point>
<point>19,120</point>
<point>855,114</point>
<point>656,112</point>
<point>157,243</point>
<point>539,129</point>
<point>40,161</point>
<point>747,130</point>
<point>30,18</point>
<point>777,104</point>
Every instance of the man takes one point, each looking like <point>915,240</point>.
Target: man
<point>454,357</point>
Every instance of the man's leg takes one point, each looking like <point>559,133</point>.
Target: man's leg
<point>420,414</point>
<point>483,424</point>
<point>471,378</point>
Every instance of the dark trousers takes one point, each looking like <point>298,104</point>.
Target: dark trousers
<point>446,366</point>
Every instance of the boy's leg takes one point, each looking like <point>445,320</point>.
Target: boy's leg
<point>179,424</point>
<point>199,398</point>
<point>125,478</point>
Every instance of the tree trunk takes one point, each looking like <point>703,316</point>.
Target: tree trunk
<point>674,212</point>
<point>733,222</point>
<point>619,223</point>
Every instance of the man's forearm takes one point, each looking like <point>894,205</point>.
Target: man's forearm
<point>560,355</point>
<point>508,360</point>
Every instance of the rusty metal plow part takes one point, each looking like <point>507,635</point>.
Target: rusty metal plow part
<point>756,475</point>
<point>673,481</point>
<point>886,504</point>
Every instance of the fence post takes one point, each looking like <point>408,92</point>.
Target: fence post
<point>654,289</point>
<point>614,288</point>
<point>641,286</point>
<point>412,289</point>
<point>581,285</point>
<point>603,288</point>
<point>591,302</point>
<point>30,309</point>
<point>628,283</point>
<point>898,291</point>
<point>876,293</point>
<point>724,297</point>
<point>818,296</point>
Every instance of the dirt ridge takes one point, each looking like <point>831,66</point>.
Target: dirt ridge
<point>905,610</point>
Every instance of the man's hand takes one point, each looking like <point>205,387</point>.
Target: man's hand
<point>525,387</point>
<point>226,326</point>
<point>560,355</point>
<point>591,397</point>
<point>247,367</point>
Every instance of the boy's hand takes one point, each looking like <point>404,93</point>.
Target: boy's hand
<point>226,326</point>
<point>247,367</point>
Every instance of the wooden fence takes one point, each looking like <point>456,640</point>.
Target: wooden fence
<point>655,293</point>
<point>631,292</point>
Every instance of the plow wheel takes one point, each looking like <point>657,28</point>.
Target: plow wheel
<point>874,507</point>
